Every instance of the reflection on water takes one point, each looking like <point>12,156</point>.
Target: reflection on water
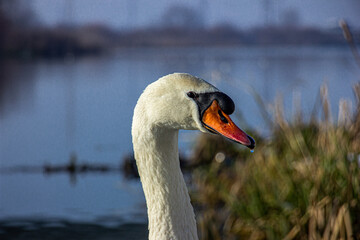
<point>50,110</point>
<point>11,77</point>
<point>63,229</point>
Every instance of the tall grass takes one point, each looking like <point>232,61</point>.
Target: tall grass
<point>302,183</point>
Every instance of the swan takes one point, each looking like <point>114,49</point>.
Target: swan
<point>173,102</point>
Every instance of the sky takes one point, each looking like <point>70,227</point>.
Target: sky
<point>240,13</point>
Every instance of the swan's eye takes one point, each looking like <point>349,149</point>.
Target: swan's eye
<point>223,119</point>
<point>192,94</point>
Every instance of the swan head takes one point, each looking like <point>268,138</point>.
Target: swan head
<point>182,101</point>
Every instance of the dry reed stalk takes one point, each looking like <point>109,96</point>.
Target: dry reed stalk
<point>297,111</point>
<point>293,233</point>
<point>294,138</point>
<point>262,107</point>
<point>338,222</point>
<point>347,221</point>
<point>312,225</point>
<point>356,90</point>
<point>325,103</point>
<point>279,113</point>
<point>344,116</point>
<point>350,39</point>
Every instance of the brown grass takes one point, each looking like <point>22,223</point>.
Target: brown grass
<point>302,183</point>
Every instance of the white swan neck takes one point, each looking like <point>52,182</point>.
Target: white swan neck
<point>170,213</point>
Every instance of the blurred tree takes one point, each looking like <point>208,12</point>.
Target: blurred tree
<point>16,17</point>
<point>4,24</point>
<point>179,16</point>
<point>19,13</point>
<point>291,18</point>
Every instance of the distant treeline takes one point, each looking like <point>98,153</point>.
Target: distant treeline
<point>61,41</point>
<point>227,35</point>
<point>23,36</point>
<point>65,41</point>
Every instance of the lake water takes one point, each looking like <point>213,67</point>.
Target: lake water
<point>50,110</point>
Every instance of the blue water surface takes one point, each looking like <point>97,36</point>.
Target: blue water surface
<point>51,110</point>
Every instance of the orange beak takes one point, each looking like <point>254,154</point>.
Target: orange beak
<point>215,120</point>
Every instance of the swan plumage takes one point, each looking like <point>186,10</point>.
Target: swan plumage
<point>176,101</point>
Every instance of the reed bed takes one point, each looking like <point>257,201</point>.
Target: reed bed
<point>301,183</point>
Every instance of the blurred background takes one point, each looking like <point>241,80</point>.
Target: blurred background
<point>71,72</point>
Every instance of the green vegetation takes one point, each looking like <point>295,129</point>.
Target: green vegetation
<point>302,183</point>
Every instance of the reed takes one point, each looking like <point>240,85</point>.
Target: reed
<point>302,183</point>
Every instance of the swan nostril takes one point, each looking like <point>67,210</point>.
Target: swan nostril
<point>223,119</point>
